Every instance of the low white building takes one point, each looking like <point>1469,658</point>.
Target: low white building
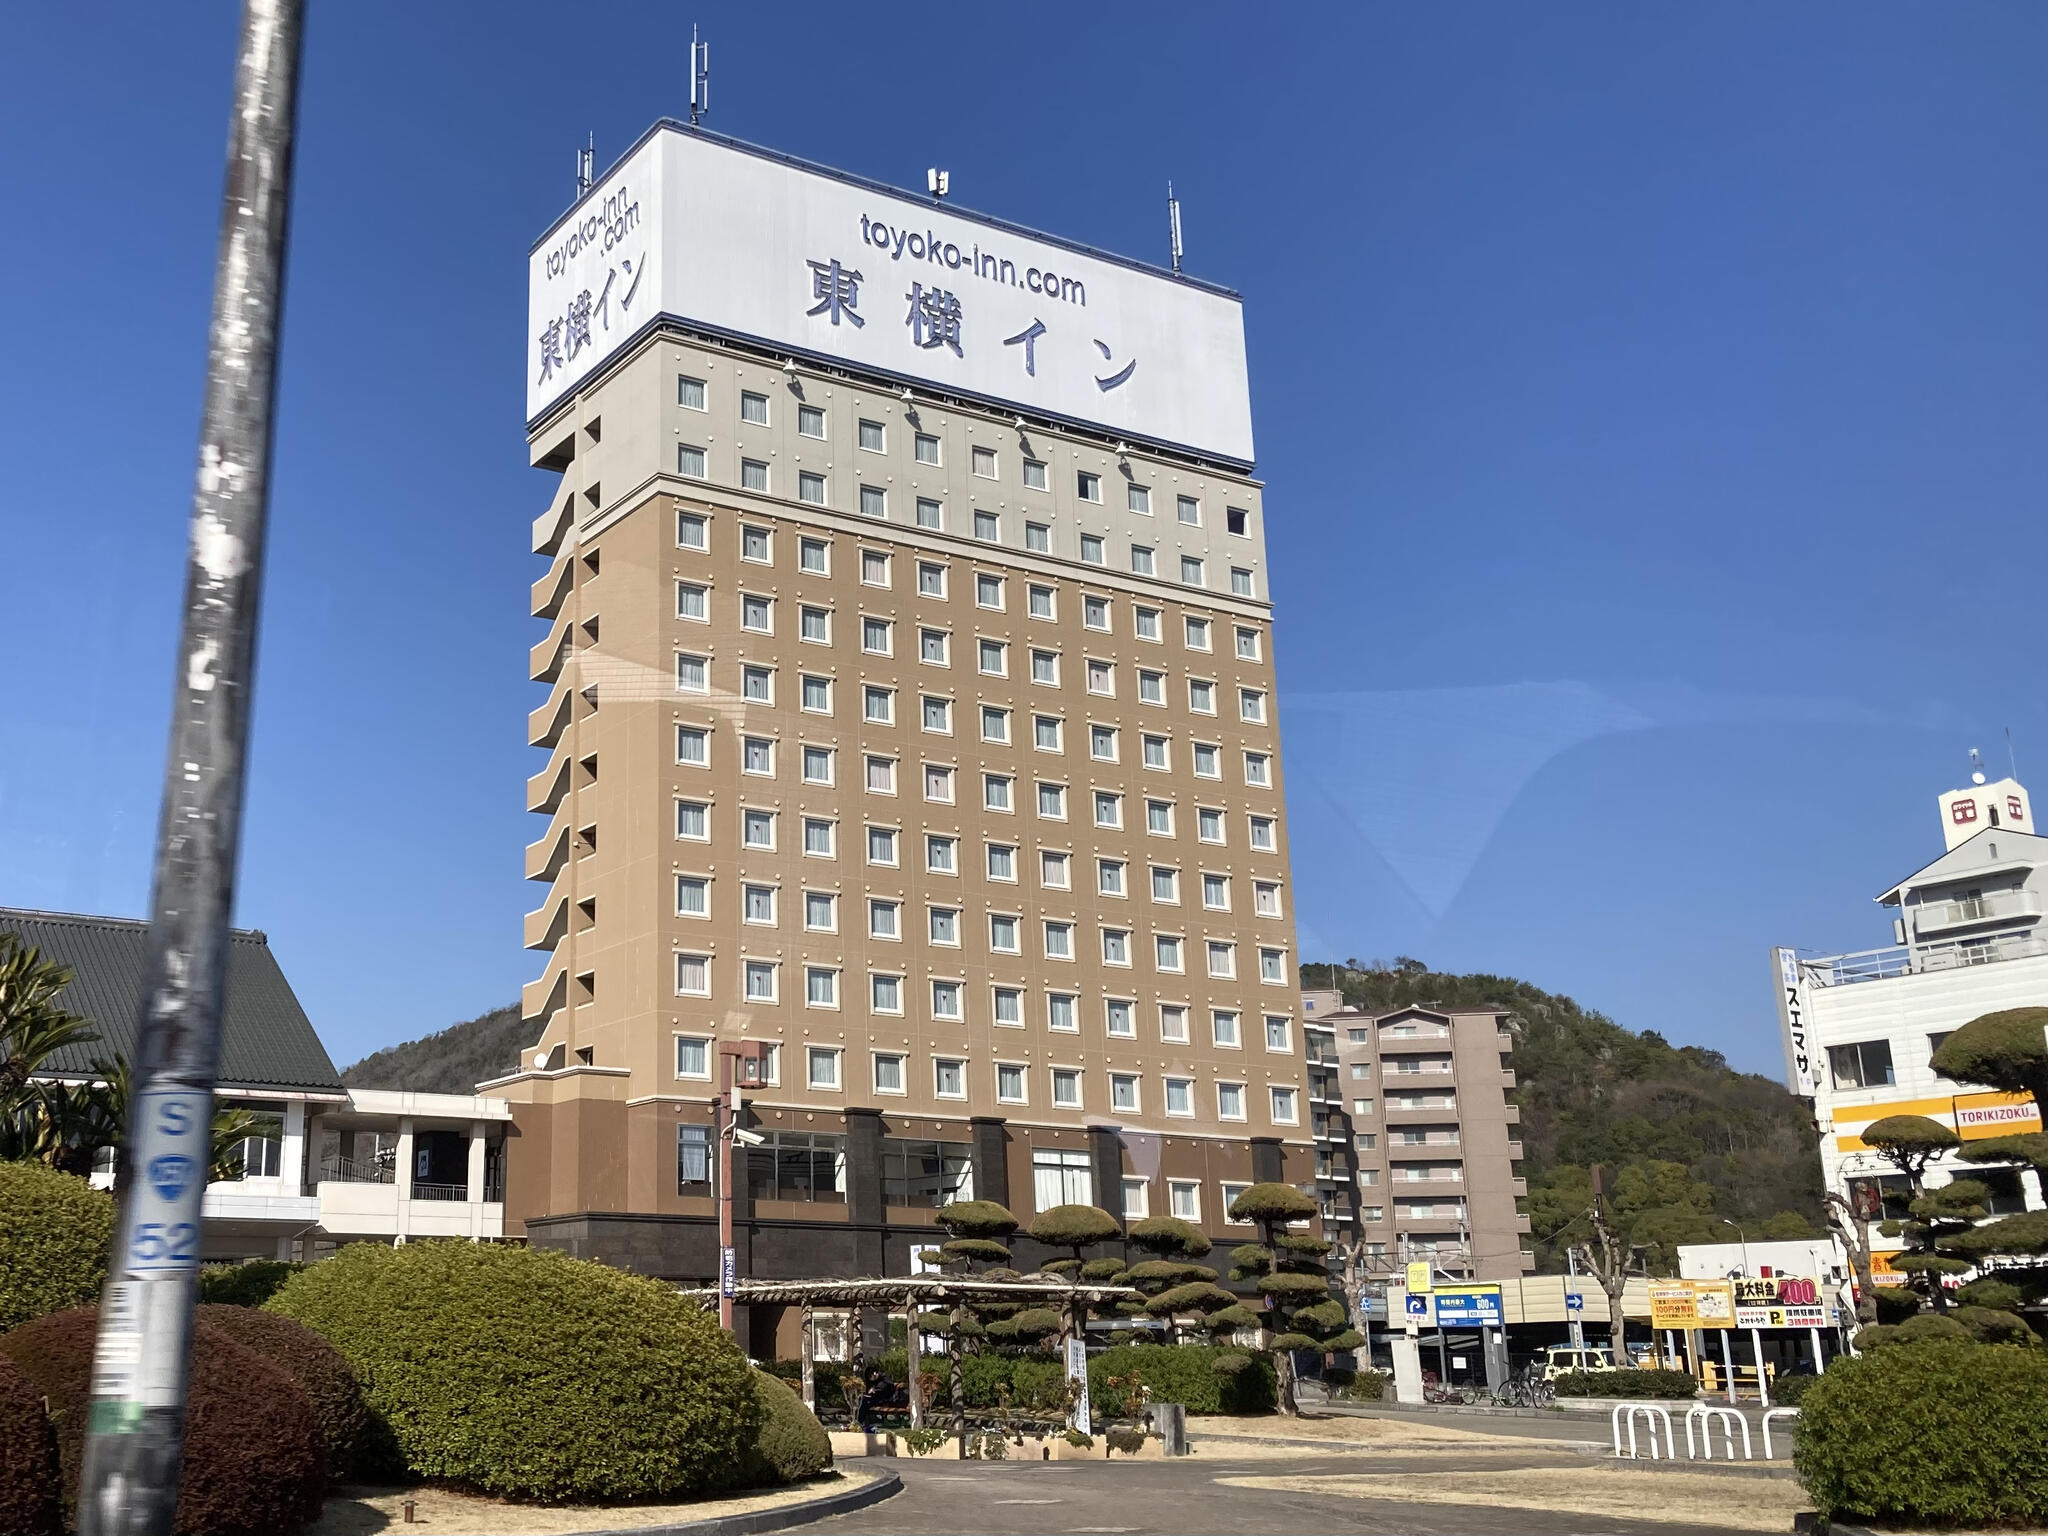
<point>327,1164</point>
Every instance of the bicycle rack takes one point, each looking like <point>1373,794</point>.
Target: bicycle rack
<point>1651,1413</point>
<point>1776,1413</point>
<point>1707,1416</point>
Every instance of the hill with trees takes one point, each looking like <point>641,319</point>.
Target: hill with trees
<point>452,1060</point>
<point>1690,1148</point>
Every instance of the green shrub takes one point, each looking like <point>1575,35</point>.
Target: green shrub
<point>331,1387</point>
<point>1358,1386</point>
<point>55,1231</point>
<point>28,1457</point>
<point>1947,1432</point>
<point>1625,1383</point>
<point>791,1445</point>
<point>1206,1378</point>
<point>255,1459</point>
<point>1895,1303</point>
<point>526,1373</point>
<point>1789,1390</point>
<point>248,1284</point>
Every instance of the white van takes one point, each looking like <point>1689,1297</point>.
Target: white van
<point>1562,1358</point>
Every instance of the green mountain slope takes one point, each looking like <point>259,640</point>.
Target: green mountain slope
<point>452,1060</point>
<point>1689,1146</point>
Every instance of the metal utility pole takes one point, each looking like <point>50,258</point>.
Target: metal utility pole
<point>135,1435</point>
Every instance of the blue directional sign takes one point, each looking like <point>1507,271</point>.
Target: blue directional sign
<point>1418,1304</point>
<point>1468,1306</point>
<point>1574,1301</point>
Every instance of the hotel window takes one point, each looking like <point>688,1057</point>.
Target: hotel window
<point>757,756</point>
<point>1266,898</point>
<point>1009,1083</point>
<point>810,421</point>
<point>753,408</point>
<point>1138,498</point>
<point>817,694</point>
<point>693,1056</point>
<point>693,975</point>
<point>1059,1013</point>
<point>1247,644</point>
<point>983,462</point>
<point>1209,825</point>
<point>1201,696</point>
<point>821,911</point>
<point>930,514</point>
<point>995,723</point>
<point>1189,510</point>
<point>1165,884</point>
<point>995,792</point>
<point>874,568</point>
<point>878,705</point>
<point>693,896</point>
<point>1180,1095</point>
<point>1283,1105</point>
<point>1102,743</point>
<point>810,488</point>
<point>931,579</point>
<point>1109,877</point>
<point>693,746</point>
<point>1002,934</point>
<point>1173,1024</point>
<point>992,657</point>
<point>946,1000</point>
<point>1166,952</point>
<point>941,855</point>
<point>1279,1037</point>
<point>1240,581</point>
<point>1002,861</point>
<point>1251,706</point>
<point>1196,632</point>
<point>1154,752</point>
<point>1159,817</point>
<point>821,987</point>
<point>881,845</point>
<point>692,673</point>
<point>924,448</point>
<point>1239,521</point>
<point>1258,770</point>
<point>1034,475</point>
<point>757,545</point>
<point>691,531</point>
<point>1045,733</point>
<point>1137,1200</point>
<point>872,438</point>
<point>988,590</point>
<point>885,919</point>
<point>757,685</point>
<point>817,765</point>
<point>1066,1088</point>
<point>938,715</point>
<point>1216,892</point>
<point>1109,809</point>
<point>753,475</point>
<point>1262,836</point>
<point>814,625</point>
<point>823,1066</point>
<point>1116,946</point>
<point>1151,687</point>
<point>888,1072</point>
<point>1184,1199</point>
<point>885,994</point>
<point>1039,602</point>
<point>1038,538</point>
<point>1123,1092</point>
<point>931,647</point>
<point>1061,1175</point>
<point>1222,958</point>
<point>693,821</point>
<point>1191,570</point>
<point>1091,549</point>
<point>1045,668</point>
<point>1088,487</point>
<point>938,783</point>
<point>1052,871</point>
<point>1059,941</point>
<point>1230,1194</point>
<point>1095,612</point>
<point>1141,560</point>
<point>949,1077</point>
<point>877,636</point>
<point>1866,1064</point>
<point>690,462</point>
<point>758,980</point>
<point>1102,678</point>
<point>987,527</point>
<point>874,501</point>
<point>945,926</point>
<point>1208,761</point>
<point>757,904</point>
<point>1009,1006</point>
<point>689,393</point>
<point>814,557</point>
<point>881,775</point>
<point>757,829</point>
<point>693,601</point>
<point>1273,966</point>
<point>1223,1028</point>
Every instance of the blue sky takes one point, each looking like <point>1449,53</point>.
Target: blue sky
<point>1650,401</point>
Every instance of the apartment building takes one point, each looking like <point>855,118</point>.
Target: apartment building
<point>910,727</point>
<point>1415,1136</point>
<point>1860,1029</point>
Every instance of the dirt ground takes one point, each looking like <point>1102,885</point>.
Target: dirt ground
<point>437,1512</point>
<point>1231,1436</point>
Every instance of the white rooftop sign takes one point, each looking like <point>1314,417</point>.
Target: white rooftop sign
<point>755,246</point>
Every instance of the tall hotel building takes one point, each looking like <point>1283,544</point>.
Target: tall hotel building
<point>910,712</point>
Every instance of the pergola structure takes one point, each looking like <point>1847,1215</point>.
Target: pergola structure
<point>906,1294</point>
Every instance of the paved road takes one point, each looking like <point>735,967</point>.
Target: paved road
<point>1081,1498</point>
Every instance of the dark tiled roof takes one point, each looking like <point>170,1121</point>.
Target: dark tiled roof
<point>267,1041</point>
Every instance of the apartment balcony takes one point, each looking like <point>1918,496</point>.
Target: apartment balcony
<point>1514,1115</point>
<point>1397,1110</point>
<point>1403,1179</point>
<point>546,789</point>
<point>1446,1220</point>
<point>545,725</point>
<point>544,661</point>
<point>546,925</point>
<point>1999,907</point>
<point>1514,1151</point>
<point>1507,1078</point>
<point>1518,1186</point>
<point>552,588</point>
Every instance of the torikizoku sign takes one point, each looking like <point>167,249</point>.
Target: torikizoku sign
<point>756,246</point>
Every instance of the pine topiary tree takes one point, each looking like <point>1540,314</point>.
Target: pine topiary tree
<point>1290,1271</point>
<point>1073,1227</point>
<point>1909,1143</point>
<point>976,1229</point>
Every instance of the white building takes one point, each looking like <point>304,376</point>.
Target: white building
<point>1860,1029</point>
<point>328,1164</point>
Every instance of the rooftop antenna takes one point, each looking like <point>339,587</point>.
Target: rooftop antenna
<point>1976,767</point>
<point>938,183</point>
<point>586,159</point>
<point>2011,758</point>
<point>700,77</point>
<point>1173,226</point>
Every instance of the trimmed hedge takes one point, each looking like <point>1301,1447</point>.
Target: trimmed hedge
<point>1948,1432</point>
<point>1207,1378</point>
<point>522,1372</point>
<point>28,1457</point>
<point>792,1445</point>
<point>55,1233</point>
<point>255,1458</point>
<point>1626,1383</point>
<point>248,1284</point>
<point>331,1387</point>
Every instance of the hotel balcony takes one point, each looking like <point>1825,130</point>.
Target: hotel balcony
<point>1999,907</point>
